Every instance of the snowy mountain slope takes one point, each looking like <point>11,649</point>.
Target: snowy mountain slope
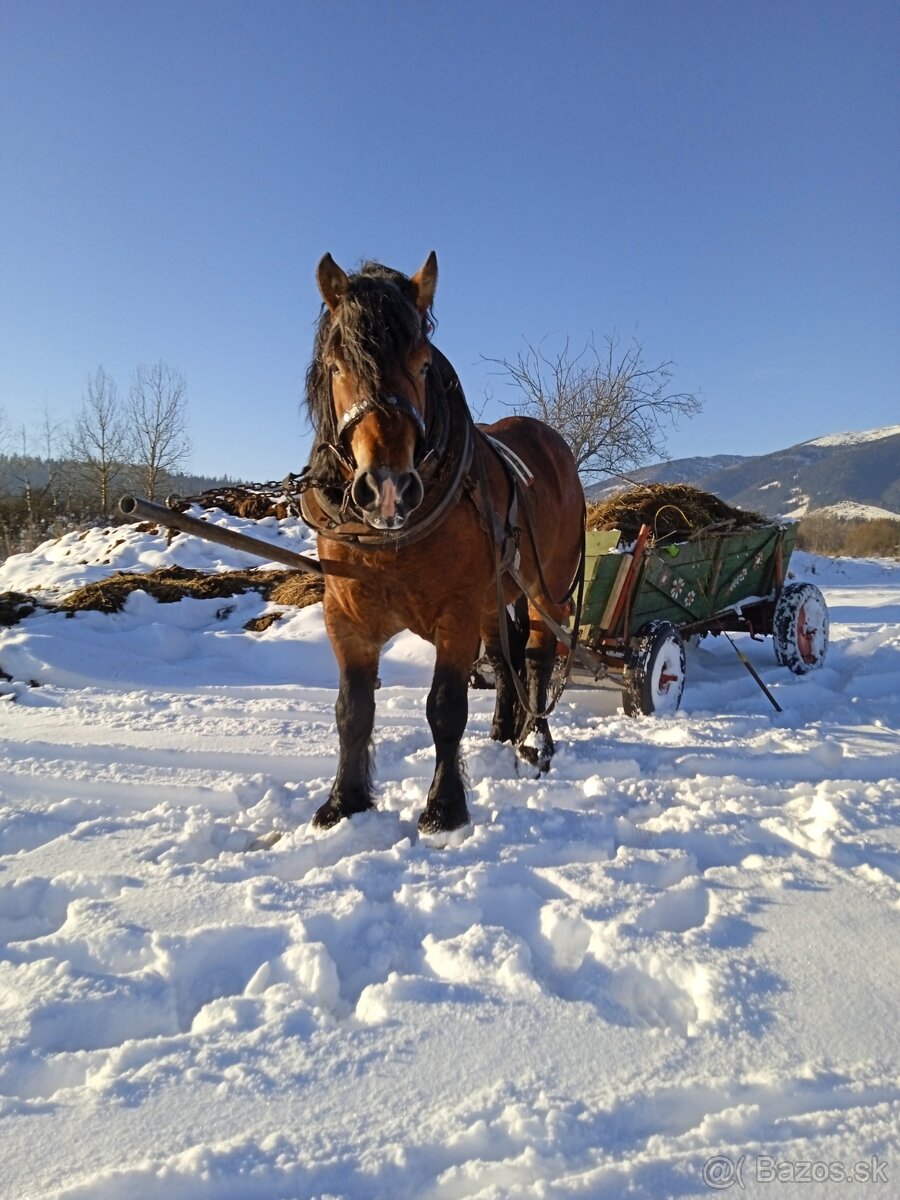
<point>676,470</point>
<point>854,438</point>
<point>862,469</point>
<point>681,943</point>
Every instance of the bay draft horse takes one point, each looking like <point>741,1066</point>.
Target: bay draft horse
<point>418,513</point>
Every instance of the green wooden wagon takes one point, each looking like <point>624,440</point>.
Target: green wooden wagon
<point>642,602</point>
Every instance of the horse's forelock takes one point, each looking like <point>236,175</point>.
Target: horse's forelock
<point>374,327</point>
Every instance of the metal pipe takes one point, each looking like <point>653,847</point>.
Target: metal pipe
<point>137,506</point>
<point>753,671</point>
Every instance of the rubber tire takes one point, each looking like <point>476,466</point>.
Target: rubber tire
<point>657,649</point>
<point>800,628</point>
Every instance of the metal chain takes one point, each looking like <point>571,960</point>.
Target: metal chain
<point>286,490</point>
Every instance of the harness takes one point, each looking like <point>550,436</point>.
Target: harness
<point>450,457</point>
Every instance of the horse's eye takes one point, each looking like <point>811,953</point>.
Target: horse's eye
<point>424,369</point>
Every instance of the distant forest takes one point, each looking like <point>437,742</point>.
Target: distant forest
<point>43,498</point>
<point>114,444</point>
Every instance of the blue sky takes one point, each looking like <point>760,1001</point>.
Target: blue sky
<point>717,177</point>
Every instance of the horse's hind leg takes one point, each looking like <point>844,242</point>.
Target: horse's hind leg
<point>535,743</point>
<point>508,715</point>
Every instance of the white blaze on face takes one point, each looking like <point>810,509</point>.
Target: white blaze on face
<point>388,499</point>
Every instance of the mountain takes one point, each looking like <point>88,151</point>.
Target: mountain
<point>853,474</point>
<point>675,470</point>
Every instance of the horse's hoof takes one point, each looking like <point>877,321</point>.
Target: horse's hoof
<point>437,823</point>
<point>330,814</point>
<point>537,752</point>
<point>441,839</point>
<point>537,749</point>
<point>534,758</point>
<point>326,816</point>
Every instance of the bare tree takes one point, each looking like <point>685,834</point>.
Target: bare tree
<point>100,443</point>
<point>33,480</point>
<point>157,413</point>
<point>609,405</point>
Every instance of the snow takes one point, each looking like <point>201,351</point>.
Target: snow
<point>680,943</point>
<point>854,438</point>
<point>850,510</point>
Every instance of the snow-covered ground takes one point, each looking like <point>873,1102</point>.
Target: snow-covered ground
<point>683,944</point>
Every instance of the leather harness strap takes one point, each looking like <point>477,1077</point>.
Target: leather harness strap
<point>398,404</point>
<point>505,538</point>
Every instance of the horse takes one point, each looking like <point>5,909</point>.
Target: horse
<point>423,518</point>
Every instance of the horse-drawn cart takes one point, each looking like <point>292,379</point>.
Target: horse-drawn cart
<point>642,602</point>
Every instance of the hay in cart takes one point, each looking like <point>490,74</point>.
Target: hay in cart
<point>673,511</point>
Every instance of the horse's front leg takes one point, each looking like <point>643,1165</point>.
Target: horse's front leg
<point>354,712</point>
<point>448,710</point>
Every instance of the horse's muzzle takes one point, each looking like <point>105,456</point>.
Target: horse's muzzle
<point>386,498</point>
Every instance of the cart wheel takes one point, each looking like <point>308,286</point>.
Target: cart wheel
<point>654,671</point>
<point>800,628</point>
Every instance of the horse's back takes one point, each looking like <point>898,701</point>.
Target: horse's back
<point>553,495</point>
<point>546,454</point>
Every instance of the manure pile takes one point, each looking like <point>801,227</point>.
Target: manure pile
<point>298,589</point>
<point>253,502</point>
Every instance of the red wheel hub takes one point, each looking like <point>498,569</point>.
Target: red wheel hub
<point>805,637</point>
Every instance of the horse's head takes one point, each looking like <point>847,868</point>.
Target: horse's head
<point>367,383</point>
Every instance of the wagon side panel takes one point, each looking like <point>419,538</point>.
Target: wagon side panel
<point>602,569</point>
<point>749,566</point>
<point>674,585</point>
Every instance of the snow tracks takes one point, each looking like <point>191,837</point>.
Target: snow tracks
<point>681,943</point>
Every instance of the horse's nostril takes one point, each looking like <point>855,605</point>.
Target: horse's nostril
<point>365,489</point>
<point>380,490</point>
<point>410,489</point>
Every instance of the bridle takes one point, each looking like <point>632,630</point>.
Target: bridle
<point>390,403</point>
<point>442,456</point>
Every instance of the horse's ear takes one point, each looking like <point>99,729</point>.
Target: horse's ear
<point>424,282</point>
<point>332,281</point>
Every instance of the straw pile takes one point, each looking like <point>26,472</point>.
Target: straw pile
<point>672,510</point>
<point>170,584</point>
<point>14,606</point>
